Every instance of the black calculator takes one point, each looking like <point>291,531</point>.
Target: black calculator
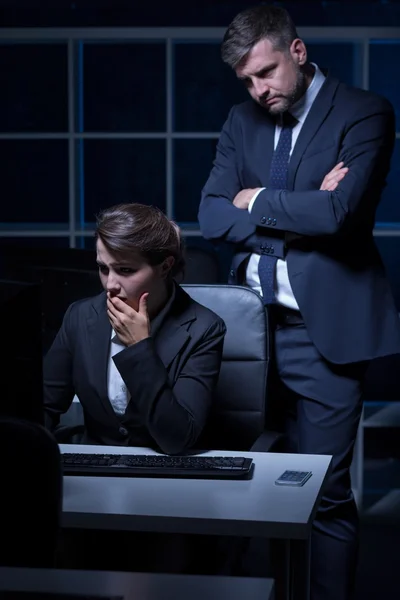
<point>296,478</point>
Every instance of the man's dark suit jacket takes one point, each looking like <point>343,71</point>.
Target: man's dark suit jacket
<point>171,378</point>
<point>334,267</point>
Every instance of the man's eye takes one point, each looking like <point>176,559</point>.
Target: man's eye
<point>103,268</point>
<point>268,72</point>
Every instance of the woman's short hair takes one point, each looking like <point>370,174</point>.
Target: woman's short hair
<point>141,229</point>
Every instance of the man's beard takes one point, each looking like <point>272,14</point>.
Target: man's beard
<point>287,101</point>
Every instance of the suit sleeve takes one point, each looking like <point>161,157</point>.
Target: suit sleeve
<point>58,391</point>
<point>219,219</point>
<point>173,412</point>
<point>366,150</point>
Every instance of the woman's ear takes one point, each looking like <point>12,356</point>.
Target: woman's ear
<point>166,266</point>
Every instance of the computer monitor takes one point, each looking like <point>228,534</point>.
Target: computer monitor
<point>21,365</point>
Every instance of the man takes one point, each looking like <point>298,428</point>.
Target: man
<point>298,174</point>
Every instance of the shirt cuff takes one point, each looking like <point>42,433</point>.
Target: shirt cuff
<point>254,199</point>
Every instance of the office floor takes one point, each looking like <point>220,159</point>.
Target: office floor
<point>379,565</point>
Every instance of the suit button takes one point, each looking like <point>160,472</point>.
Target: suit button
<point>263,219</point>
<point>271,249</point>
<point>262,247</point>
<point>232,273</point>
<point>269,221</point>
<point>273,221</point>
<point>123,431</point>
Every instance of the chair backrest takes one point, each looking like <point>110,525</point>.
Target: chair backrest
<point>238,416</point>
<point>31,495</point>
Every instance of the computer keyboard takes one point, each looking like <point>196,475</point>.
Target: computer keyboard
<point>143,465</point>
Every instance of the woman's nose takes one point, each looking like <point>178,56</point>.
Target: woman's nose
<point>112,283</point>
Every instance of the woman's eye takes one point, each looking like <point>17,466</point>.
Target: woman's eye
<point>126,270</point>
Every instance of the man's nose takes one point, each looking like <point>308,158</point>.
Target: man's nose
<point>261,88</point>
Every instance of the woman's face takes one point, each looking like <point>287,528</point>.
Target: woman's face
<point>129,277</point>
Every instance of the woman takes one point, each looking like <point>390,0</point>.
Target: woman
<point>142,356</point>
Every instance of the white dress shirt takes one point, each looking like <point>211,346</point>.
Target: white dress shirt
<point>283,290</point>
<point>118,393</point>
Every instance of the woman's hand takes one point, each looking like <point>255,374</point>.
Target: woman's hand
<point>130,325</point>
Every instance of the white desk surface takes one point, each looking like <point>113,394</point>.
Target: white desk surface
<point>135,586</point>
<point>254,508</point>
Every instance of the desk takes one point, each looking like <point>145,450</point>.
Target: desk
<point>134,586</point>
<point>250,508</point>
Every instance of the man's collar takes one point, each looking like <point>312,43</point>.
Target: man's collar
<point>301,108</point>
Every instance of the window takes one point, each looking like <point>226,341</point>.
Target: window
<point>123,87</point>
<point>384,58</point>
<point>34,181</point>
<point>122,171</point>
<point>95,117</point>
<point>204,87</point>
<point>389,208</point>
<point>34,82</point>
<point>340,59</point>
<point>192,160</point>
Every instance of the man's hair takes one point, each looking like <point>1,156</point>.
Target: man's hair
<point>253,25</point>
<point>140,229</point>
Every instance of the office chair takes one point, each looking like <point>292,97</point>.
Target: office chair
<point>31,495</point>
<point>237,420</point>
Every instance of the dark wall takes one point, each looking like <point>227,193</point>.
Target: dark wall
<point>120,87</point>
<point>195,13</point>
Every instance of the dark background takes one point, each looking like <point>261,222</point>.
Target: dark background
<point>57,173</point>
<point>119,89</point>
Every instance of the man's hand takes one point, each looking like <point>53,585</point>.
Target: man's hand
<point>329,184</point>
<point>331,181</point>
<point>242,199</point>
<point>130,325</point>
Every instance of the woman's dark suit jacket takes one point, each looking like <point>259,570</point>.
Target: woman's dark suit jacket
<point>170,378</point>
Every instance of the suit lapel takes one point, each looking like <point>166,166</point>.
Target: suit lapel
<point>174,335</point>
<point>170,341</point>
<point>320,109</point>
<point>262,144</point>
<point>99,334</point>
